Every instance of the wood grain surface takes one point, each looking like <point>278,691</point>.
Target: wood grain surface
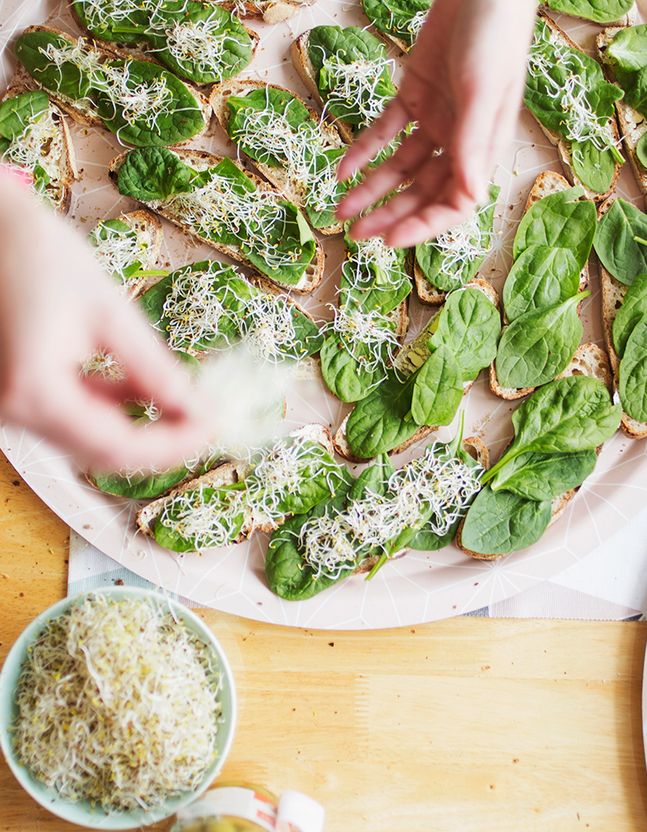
<point>464,725</point>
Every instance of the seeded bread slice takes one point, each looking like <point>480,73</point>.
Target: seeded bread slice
<point>563,146</point>
<point>227,474</point>
<point>613,295</point>
<point>589,360</point>
<point>404,364</point>
<point>633,125</point>
<point>81,111</point>
<point>60,151</point>
<point>545,184</point>
<point>201,160</point>
<point>308,74</point>
<point>294,189</point>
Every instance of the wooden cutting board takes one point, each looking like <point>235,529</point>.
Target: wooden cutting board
<point>466,725</point>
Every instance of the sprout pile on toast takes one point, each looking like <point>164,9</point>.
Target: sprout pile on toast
<point>370,319</point>
<point>290,477</point>
<point>398,20</point>
<point>567,92</point>
<point>198,40</point>
<point>224,206</point>
<point>32,136</point>
<point>141,102</point>
<point>371,519</point>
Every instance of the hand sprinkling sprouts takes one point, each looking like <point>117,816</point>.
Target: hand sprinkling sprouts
<point>462,88</point>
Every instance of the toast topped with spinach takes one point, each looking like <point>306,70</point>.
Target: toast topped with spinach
<point>287,142</point>
<point>607,11</point>
<point>198,40</point>
<point>34,136</point>
<point>453,259</point>
<point>425,386</point>
<point>399,21</point>
<point>568,95</point>
<point>142,103</point>
<point>209,305</point>
<point>370,320</point>
<point>128,248</point>
<point>623,53</point>
<point>621,249</point>
<point>375,517</point>
<point>558,431</point>
<point>236,212</point>
<point>544,287</point>
<point>229,503</point>
<point>349,73</point>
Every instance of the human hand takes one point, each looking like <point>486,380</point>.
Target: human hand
<point>57,308</point>
<point>463,86</point>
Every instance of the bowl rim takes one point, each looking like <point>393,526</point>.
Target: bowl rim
<point>132,819</point>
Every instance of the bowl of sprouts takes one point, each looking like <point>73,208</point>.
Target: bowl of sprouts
<point>117,708</point>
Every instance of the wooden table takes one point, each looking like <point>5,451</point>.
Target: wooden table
<point>465,725</point>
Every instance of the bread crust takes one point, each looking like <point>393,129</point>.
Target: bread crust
<point>203,159</point>
<point>633,125</point>
<point>82,114</point>
<point>547,183</point>
<point>339,439</point>
<point>563,147</point>
<point>589,360</point>
<point>276,176</point>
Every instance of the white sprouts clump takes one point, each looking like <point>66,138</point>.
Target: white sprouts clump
<point>117,250</point>
<point>134,101</point>
<point>581,123</point>
<point>463,245</point>
<point>99,13</point>
<point>434,491</point>
<point>103,364</point>
<point>414,26</point>
<point>268,327</point>
<point>369,336</point>
<point>206,517</point>
<point>355,85</point>
<point>371,256</point>
<point>268,132</point>
<point>118,704</point>
<point>257,217</point>
<point>194,308</point>
<point>202,43</point>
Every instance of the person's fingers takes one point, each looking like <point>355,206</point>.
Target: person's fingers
<point>102,435</point>
<point>152,371</point>
<point>472,144</point>
<point>426,225</point>
<point>371,140</point>
<point>381,180</point>
<point>422,192</point>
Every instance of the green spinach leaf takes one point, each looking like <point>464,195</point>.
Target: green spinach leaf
<point>400,18</point>
<point>437,390</point>
<point>593,167</point>
<point>154,174</point>
<point>600,11</point>
<point>568,415</point>
<point>537,346</point>
<point>537,476</point>
<point>632,311</point>
<point>540,277</point>
<point>18,112</point>
<point>627,54</point>
<point>500,522</point>
<point>621,241</point>
<point>633,373</point>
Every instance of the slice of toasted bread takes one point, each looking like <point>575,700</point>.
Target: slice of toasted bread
<point>589,360</point>
<point>294,189</point>
<point>81,111</point>
<point>545,184</point>
<point>148,228</point>
<point>307,72</point>
<point>201,160</point>
<point>401,363</point>
<point>60,153</point>
<point>562,145</point>
<point>144,51</point>
<point>613,295</point>
<point>633,125</point>
<point>227,474</point>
